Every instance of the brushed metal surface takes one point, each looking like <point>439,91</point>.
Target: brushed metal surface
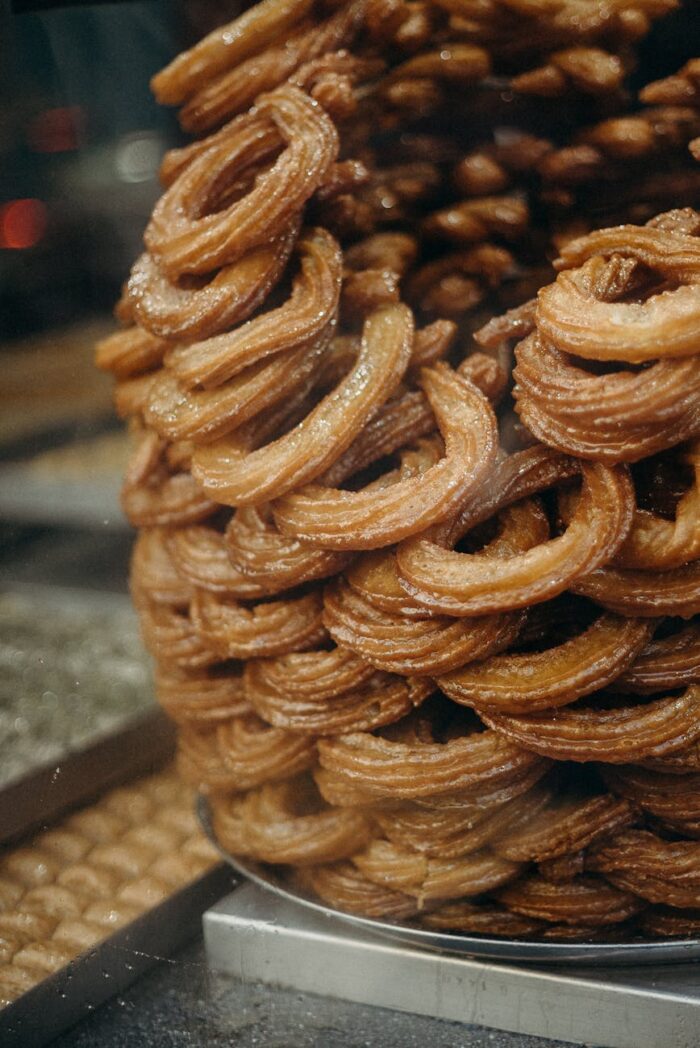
<point>635,952</point>
<point>257,935</point>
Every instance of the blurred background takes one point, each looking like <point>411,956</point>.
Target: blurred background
<point>81,138</point>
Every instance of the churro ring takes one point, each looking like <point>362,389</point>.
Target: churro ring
<point>619,417</point>
<point>614,736</point>
<point>284,823</point>
<point>565,827</point>
<point>429,878</point>
<point>657,870</point>
<point>266,629</point>
<point>154,496</point>
<point>236,477</point>
<point>371,518</point>
<point>449,833</point>
<point>426,645</point>
<point>130,352</point>
<point>468,584</point>
<point>154,575</point>
<point>242,753</point>
<point>408,416</point>
<point>170,637</point>
<point>664,664</point>
<point>317,675</point>
<point>185,239</point>
<point>225,47</point>
<point>586,901</point>
<point>374,702</point>
<point>524,683</point>
<point>204,415</point>
<point>656,544</point>
<point>344,887</point>
<point>419,769</point>
<point>201,556</point>
<point>667,324</point>
<point>169,311</point>
<point>300,321</point>
<point>674,799</point>
<point>480,919</point>
<point>235,90</point>
<point>202,696</point>
<point>665,923</point>
<point>644,593</point>
<point>266,557</point>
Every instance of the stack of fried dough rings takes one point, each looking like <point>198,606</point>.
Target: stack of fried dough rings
<point>419,515</point>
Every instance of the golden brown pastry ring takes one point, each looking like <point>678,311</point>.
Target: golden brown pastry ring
<point>616,736</point>
<point>369,519</point>
<point>234,475</point>
<point>300,321</point>
<point>524,683</point>
<point>185,239</point>
<point>468,584</point>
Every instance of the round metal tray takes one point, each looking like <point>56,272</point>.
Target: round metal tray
<point>632,952</point>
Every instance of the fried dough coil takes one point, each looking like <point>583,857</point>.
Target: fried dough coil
<point>185,239</point>
<point>368,519</point>
<point>235,477</point>
<point>664,664</point>
<point>242,753</point>
<point>412,646</point>
<point>681,88</point>
<point>153,496</point>
<point>275,628</point>
<point>565,827</point>
<point>280,823</point>
<point>449,833</point>
<point>661,871</point>
<point>344,887</point>
<point>619,417</point>
<point>375,702</point>
<point>644,593</point>
<point>170,637</point>
<point>524,683</point>
<point>204,415</point>
<point>480,919</point>
<point>299,322</point>
<point>169,311</point>
<point>201,556</point>
<point>234,91</point>
<point>586,901</point>
<point>655,544</point>
<point>614,736</point>
<point>420,769</point>
<point>225,47</point>
<point>572,318</point>
<point>429,878</point>
<point>674,799</point>
<point>665,923</point>
<point>201,697</point>
<point>466,584</point>
<point>316,675</point>
<point>130,352</point>
<point>272,560</point>
<point>154,574</point>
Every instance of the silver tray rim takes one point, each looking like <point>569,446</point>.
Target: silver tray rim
<point>524,951</point>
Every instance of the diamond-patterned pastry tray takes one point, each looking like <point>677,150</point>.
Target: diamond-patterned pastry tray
<point>91,902</point>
